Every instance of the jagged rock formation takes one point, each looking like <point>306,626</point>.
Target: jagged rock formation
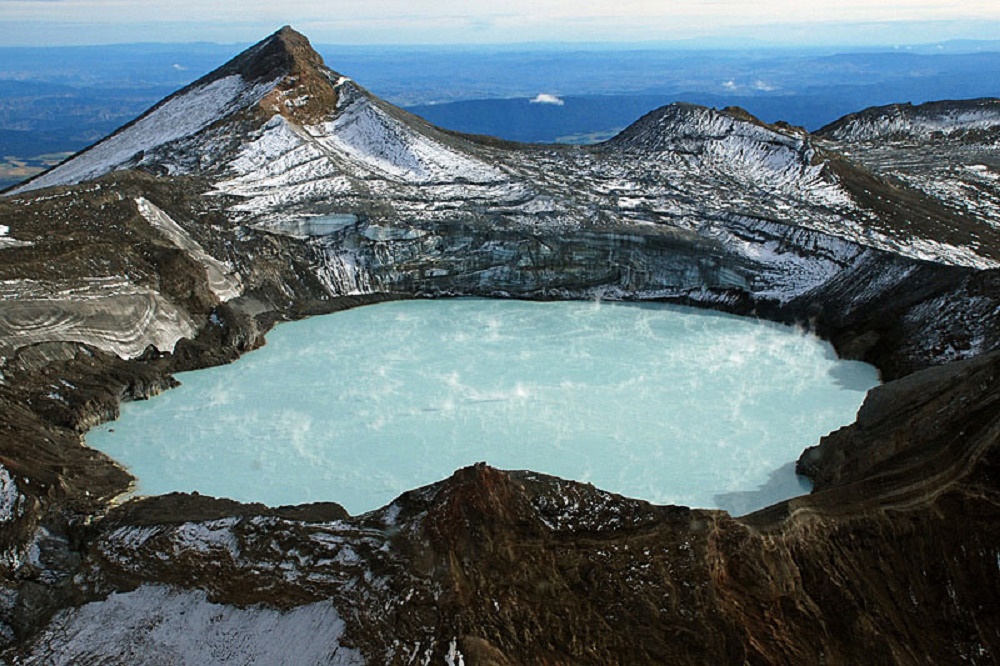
<point>276,188</point>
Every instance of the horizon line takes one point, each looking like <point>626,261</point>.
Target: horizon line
<point>707,43</point>
<point>756,36</point>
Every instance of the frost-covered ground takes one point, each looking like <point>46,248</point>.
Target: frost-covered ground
<point>156,624</point>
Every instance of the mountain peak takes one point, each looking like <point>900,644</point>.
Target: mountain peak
<point>302,83</point>
<point>304,92</point>
<point>680,122</point>
<point>284,52</point>
<point>280,75</point>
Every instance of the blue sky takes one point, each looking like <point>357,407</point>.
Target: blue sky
<point>45,22</point>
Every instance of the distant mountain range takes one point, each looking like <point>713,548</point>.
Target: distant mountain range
<point>61,99</point>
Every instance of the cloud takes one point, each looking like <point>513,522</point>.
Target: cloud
<point>545,98</point>
<point>850,22</point>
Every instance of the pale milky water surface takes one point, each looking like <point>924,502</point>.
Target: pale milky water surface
<point>667,404</point>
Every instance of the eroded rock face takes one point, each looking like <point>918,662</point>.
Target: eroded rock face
<point>291,191</point>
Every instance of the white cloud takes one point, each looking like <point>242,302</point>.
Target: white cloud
<point>459,21</point>
<point>545,98</point>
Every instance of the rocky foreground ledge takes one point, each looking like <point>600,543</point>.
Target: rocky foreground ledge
<point>285,190</point>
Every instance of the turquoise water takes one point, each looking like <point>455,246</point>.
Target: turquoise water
<point>667,404</point>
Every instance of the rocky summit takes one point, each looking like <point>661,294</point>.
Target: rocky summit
<point>275,188</point>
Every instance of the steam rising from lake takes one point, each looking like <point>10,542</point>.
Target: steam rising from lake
<point>667,404</point>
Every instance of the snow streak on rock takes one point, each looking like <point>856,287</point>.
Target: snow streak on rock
<point>6,240</point>
<point>10,497</point>
<point>222,280</point>
<point>373,140</point>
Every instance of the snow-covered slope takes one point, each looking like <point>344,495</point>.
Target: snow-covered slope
<point>737,145</point>
<point>176,118</point>
<point>293,147</point>
<point>160,625</point>
<point>370,138</point>
<point>898,121</point>
<point>950,152</point>
<point>362,149</point>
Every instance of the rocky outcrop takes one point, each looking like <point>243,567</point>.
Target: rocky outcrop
<point>906,121</point>
<point>936,422</point>
<point>291,191</point>
<point>505,567</point>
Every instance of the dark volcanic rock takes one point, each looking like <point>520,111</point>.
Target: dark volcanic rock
<point>933,422</point>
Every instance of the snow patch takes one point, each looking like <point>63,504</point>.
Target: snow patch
<point>208,537</point>
<point>157,624</point>
<point>391,515</point>
<point>945,253</point>
<point>133,538</point>
<point>365,134</point>
<point>454,657</point>
<point>10,497</point>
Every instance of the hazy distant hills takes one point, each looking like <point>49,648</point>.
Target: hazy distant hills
<point>57,100</point>
<point>604,92</point>
<point>585,119</point>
